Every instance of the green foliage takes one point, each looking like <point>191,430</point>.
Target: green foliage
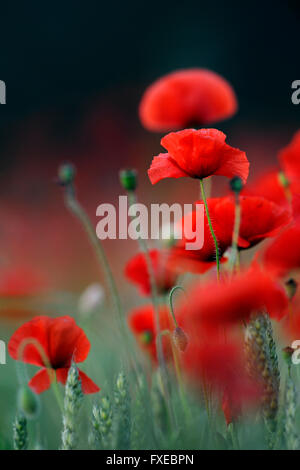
<point>72,404</point>
<point>20,435</point>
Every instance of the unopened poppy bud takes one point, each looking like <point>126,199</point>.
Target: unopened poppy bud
<point>283,180</point>
<point>28,402</point>
<point>146,337</point>
<point>291,288</point>
<point>66,173</point>
<point>128,179</point>
<point>180,339</point>
<point>236,184</point>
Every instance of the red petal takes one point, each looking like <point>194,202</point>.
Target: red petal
<point>67,341</point>
<point>36,329</point>
<point>163,166</point>
<point>88,386</point>
<point>192,95</point>
<point>40,382</point>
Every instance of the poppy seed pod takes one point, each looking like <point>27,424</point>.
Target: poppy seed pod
<point>66,173</point>
<point>28,402</point>
<point>128,179</point>
<point>180,339</point>
<point>236,184</point>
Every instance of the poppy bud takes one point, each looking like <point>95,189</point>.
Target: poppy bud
<point>291,288</point>
<point>128,179</point>
<point>236,184</point>
<point>283,180</point>
<point>28,402</point>
<point>180,339</point>
<point>66,173</point>
<point>146,337</point>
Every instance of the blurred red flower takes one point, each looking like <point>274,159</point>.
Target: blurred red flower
<point>221,367</point>
<point>61,341</point>
<point>283,254</point>
<point>202,260</point>
<point>260,218</point>
<point>211,304</point>
<point>19,281</point>
<point>183,97</point>
<point>198,154</point>
<point>141,321</point>
<point>289,158</point>
<point>136,271</point>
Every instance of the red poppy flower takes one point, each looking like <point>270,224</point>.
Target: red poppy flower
<point>268,186</point>
<point>61,340</point>
<point>290,158</point>
<point>283,255</point>
<point>221,367</point>
<point>198,154</point>
<point>19,281</point>
<point>187,96</point>
<point>136,271</point>
<point>211,304</point>
<point>17,284</point>
<point>260,218</point>
<point>200,261</point>
<point>142,323</point>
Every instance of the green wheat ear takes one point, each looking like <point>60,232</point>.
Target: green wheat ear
<point>291,434</point>
<point>101,435</point>
<point>122,413</point>
<point>262,364</point>
<point>20,435</point>
<point>72,403</point>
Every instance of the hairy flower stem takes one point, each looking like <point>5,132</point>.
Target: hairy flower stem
<point>211,228</point>
<point>291,434</point>
<point>72,404</point>
<point>75,207</point>
<point>20,435</point>
<point>262,365</point>
<point>234,260</point>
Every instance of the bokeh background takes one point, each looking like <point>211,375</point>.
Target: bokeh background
<point>75,72</point>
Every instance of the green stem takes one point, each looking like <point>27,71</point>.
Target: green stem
<point>154,294</point>
<point>235,235</point>
<point>57,394</point>
<point>211,228</point>
<point>171,302</point>
<point>74,206</point>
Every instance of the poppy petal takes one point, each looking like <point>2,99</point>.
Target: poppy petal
<point>164,166</point>
<point>67,341</point>
<point>88,386</point>
<point>35,330</point>
<point>40,382</point>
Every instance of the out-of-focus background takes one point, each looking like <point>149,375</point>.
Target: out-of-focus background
<point>75,72</point>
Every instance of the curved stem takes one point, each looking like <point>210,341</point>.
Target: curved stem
<point>211,228</point>
<point>74,206</point>
<point>154,294</point>
<point>51,372</point>
<point>171,302</point>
